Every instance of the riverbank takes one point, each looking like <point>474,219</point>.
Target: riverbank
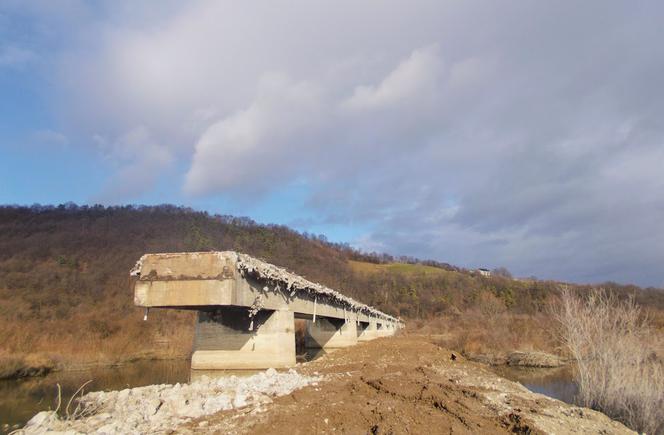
<point>520,358</point>
<point>382,386</point>
<point>19,366</point>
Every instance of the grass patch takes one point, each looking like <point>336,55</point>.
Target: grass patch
<point>403,268</point>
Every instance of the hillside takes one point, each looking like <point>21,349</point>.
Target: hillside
<point>67,297</point>
<point>65,285</point>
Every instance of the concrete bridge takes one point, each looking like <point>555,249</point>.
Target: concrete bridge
<point>247,308</point>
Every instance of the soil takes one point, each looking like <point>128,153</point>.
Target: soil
<point>406,384</point>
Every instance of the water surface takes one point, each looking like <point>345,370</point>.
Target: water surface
<point>557,383</point>
<point>21,399</point>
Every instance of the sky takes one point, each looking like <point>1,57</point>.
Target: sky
<point>528,135</point>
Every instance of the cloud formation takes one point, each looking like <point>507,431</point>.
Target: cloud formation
<point>528,135</point>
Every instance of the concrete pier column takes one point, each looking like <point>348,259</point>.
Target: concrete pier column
<point>382,329</point>
<point>329,333</point>
<point>227,339</point>
<point>367,331</point>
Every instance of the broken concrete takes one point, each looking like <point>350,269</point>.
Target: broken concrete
<point>162,408</point>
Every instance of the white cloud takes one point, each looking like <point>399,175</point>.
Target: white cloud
<point>458,130</point>
<point>421,72</point>
<point>256,142</point>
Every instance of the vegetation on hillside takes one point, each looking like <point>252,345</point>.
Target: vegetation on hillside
<point>66,292</point>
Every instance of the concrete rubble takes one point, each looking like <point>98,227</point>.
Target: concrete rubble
<point>280,277</point>
<point>161,408</point>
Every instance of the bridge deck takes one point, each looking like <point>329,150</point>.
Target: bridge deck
<point>213,279</point>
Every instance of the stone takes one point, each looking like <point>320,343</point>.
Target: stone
<point>43,418</point>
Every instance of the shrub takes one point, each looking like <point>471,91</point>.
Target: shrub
<point>618,371</point>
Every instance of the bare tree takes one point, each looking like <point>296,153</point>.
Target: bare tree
<point>502,271</point>
<point>617,371</point>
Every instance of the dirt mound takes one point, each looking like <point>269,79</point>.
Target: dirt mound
<point>407,385</point>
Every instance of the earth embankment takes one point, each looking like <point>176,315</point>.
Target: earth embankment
<point>407,384</point>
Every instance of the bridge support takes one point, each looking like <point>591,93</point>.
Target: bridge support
<point>225,287</point>
<point>382,330</point>
<point>367,331</point>
<point>228,339</point>
<point>329,333</point>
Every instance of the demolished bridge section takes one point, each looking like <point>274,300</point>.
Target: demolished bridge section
<point>247,307</point>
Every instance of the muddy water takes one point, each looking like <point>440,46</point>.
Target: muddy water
<point>23,398</point>
<point>557,383</point>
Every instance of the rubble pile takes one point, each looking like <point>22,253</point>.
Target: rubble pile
<point>159,408</point>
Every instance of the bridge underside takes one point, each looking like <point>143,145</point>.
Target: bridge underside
<point>246,321</point>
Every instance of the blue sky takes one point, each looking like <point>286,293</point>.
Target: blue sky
<point>521,135</point>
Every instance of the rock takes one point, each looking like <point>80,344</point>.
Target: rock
<point>110,429</point>
<point>42,419</point>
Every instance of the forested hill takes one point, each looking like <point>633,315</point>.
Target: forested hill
<point>64,280</point>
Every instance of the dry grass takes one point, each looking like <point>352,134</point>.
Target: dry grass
<point>98,332</point>
<point>614,345</point>
<point>404,268</point>
<point>22,365</point>
<point>490,336</point>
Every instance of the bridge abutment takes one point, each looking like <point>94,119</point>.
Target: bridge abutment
<point>228,339</point>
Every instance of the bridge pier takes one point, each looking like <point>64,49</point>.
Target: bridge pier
<point>329,333</point>
<point>382,330</point>
<point>226,339</point>
<point>367,331</point>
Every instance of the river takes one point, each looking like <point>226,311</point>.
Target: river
<point>557,383</point>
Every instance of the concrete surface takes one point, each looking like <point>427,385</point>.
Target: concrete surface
<point>330,333</point>
<point>246,308</point>
<point>224,340</point>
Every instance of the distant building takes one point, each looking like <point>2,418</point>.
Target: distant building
<point>484,272</point>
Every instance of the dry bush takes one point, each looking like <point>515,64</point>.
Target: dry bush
<point>20,365</point>
<point>489,335</point>
<point>613,344</point>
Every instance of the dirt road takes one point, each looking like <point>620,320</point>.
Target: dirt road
<point>407,385</point>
